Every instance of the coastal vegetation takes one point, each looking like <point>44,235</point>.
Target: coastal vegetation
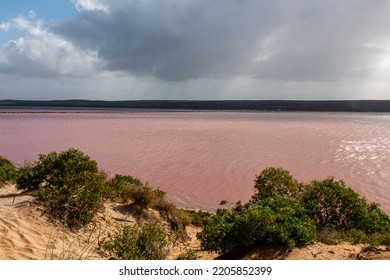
<point>69,184</point>
<point>148,241</point>
<point>281,212</point>
<point>72,189</point>
<point>284,212</point>
<point>8,171</point>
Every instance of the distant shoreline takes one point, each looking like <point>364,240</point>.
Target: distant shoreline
<point>382,106</point>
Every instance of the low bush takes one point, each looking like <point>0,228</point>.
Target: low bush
<point>132,190</point>
<point>143,195</point>
<point>8,172</point>
<point>117,187</point>
<point>69,184</point>
<point>335,206</point>
<point>198,218</point>
<point>148,242</point>
<point>276,181</point>
<point>188,255</point>
<point>163,206</point>
<point>179,219</point>
<point>288,213</point>
<point>274,220</point>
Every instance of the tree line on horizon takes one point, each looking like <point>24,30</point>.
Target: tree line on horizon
<point>255,105</point>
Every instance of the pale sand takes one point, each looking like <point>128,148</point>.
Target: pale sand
<point>27,233</point>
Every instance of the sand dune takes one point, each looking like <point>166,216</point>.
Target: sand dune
<point>26,233</point>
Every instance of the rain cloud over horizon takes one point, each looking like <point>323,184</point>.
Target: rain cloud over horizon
<point>201,49</point>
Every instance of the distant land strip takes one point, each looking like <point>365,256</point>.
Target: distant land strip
<point>214,105</point>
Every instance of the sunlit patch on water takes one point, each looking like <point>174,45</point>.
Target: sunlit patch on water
<point>368,165</point>
<point>358,150</point>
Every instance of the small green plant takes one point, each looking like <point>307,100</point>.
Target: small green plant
<point>117,187</point>
<point>163,206</point>
<point>187,255</point>
<point>148,242</point>
<point>198,218</point>
<point>140,195</point>
<point>131,190</point>
<point>69,184</point>
<point>177,219</point>
<point>8,172</point>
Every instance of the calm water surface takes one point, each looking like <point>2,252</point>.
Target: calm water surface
<point>200,158</point>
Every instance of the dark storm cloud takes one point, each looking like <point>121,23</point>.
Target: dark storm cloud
<point>175,40</point>
<point>181,40</point>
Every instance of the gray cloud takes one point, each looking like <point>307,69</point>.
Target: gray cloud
<point>181,40</point>
<point>202,49</point>
<point>174,40</point>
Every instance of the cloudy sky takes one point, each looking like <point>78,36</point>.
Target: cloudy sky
<point>194,49</point>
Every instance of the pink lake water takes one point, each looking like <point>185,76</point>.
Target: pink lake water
<point>200,158</point>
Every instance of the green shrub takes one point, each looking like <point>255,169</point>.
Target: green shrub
<point>117,187</point>
<point>273,220</point>
<point>333,205</point>
<point>177,219</point>
<point>217,234</point>
<point>69,184</point>
<point>276,181</point>
<point>198,218</point>
<point>148,242</point>
<point>131,190</point>
<point>288,213</point>
<point>374,220</point>
<point>163,206</point>
<point>141,195</point>
<point>188,255</point>
<point>8,171</point>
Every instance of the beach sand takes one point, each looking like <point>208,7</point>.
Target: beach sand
<point>26,233</point>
